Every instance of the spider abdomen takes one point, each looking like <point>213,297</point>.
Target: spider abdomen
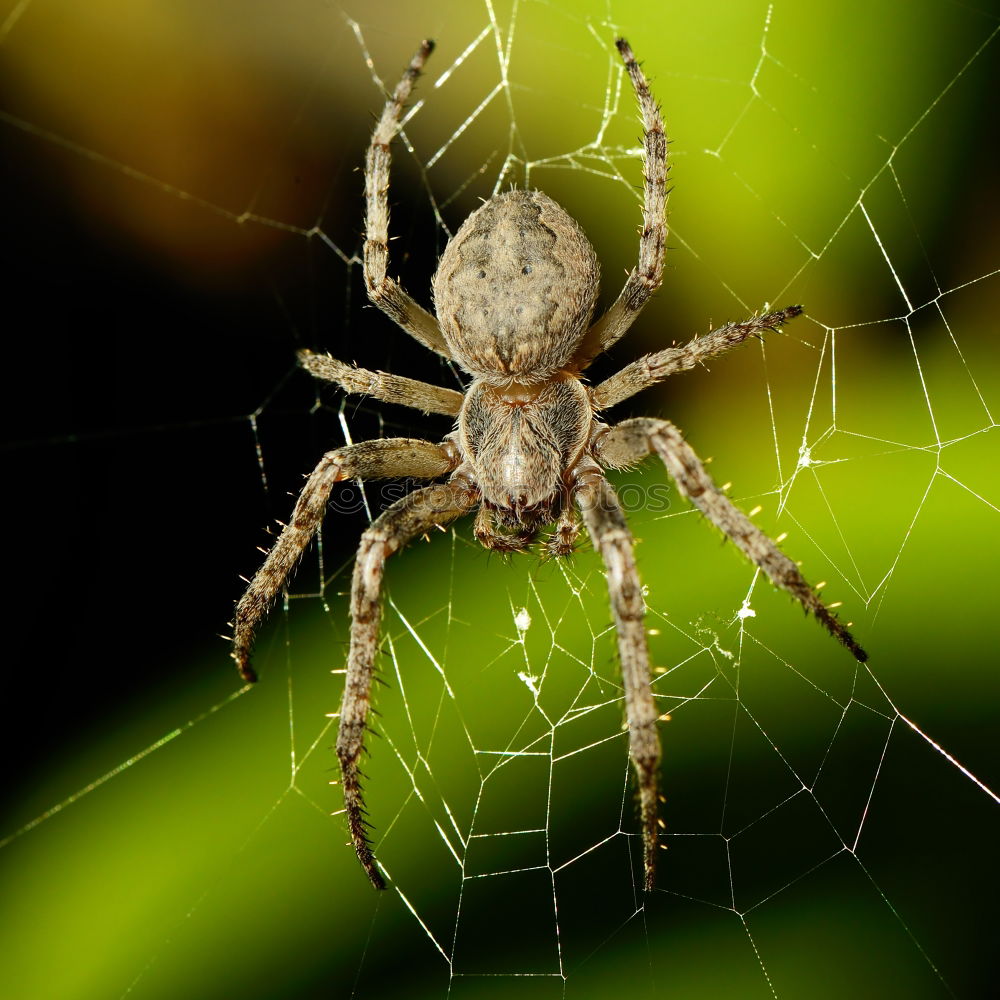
<point>515,288</point>
<point>520,443</point>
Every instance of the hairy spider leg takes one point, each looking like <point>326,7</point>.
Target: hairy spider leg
<point>383,459</point>
<point>382,386</point>
<point>647,275</point>
<point>408,518</point>
<point>384,291</point>
<point>653,368</point>
<point>632,440</point>
<point>609,530</point>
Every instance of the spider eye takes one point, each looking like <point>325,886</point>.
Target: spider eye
<point>482,274</point>
<point>526,269</point>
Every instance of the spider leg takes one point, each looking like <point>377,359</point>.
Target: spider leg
<point>381,459</point>
<point>654,368</point>
<point>608,528</point>
<point>645,278</point>
<point>407,518</point>
<point>632,440</point>
<point>380,385</point>
<point>385,292</point>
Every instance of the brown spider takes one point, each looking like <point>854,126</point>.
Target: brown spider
<point>514,293</point>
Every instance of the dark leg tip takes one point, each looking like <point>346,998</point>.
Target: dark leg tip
<point>246,671</point>
<point>624,49</point>
<point>367,859</point>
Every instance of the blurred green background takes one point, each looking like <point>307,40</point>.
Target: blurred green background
<point>183,201</point>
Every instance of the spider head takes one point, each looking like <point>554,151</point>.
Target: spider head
<point>515,289</point>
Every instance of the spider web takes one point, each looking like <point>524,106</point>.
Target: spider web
<point>186,208</point>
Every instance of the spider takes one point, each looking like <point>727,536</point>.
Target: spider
<point>514,294</point>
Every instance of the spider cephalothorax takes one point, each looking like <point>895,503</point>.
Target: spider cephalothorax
<point>514,295</point>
